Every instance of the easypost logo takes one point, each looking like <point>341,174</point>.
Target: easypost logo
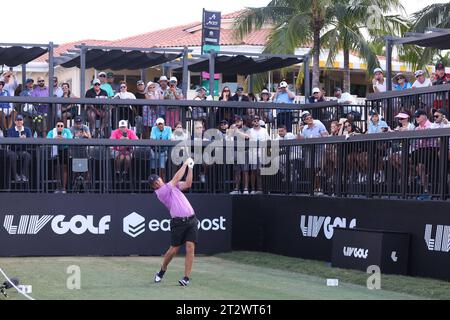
<point>33,224</point>
<point>441,240</point>
<point>310,226</point>
<point>134,224</point>
<point>356,252</point>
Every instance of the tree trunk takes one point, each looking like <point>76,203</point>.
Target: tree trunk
<point>346,86</point>
<point>316,57</point>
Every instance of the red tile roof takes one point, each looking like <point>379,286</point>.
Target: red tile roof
<point>179,36</point>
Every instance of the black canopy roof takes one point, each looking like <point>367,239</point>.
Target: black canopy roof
<point>438,38</point>
<point>118,59</point>
<point>12,56</point>
<point>241,64</point>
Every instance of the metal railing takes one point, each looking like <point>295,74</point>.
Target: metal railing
<point>400,165</point>
<point>389,104</point>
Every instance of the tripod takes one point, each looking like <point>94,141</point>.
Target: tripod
<point>80,169</point>
<point>80,183</point>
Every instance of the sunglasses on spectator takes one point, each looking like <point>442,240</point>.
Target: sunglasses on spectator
<point>102,76</point>
<point>226,90</point>
<point>96,84</point>
<point>19,119</point>
<point>436,116</point>
<point>122,87</point>
<point>40,81</point>
<point>60,126</point>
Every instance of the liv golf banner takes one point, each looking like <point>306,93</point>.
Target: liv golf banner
<point>86,224</point>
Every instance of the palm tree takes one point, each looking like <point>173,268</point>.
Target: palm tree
<point>294,22</point>
<point>355,26</point>
<point>435,16</point>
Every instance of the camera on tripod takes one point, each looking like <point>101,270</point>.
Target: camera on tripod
<point>80,168</point>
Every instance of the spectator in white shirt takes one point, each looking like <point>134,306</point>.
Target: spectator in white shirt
<point>378,81</point>
<point>256,134</point>
<point>421,81</point>
<point>283,134</point>
<point>343,97</point>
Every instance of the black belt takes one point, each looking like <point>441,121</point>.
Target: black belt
<point>184,218</point>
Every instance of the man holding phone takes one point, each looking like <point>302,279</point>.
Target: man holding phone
<point>122,154</point>
<point>19,153</point>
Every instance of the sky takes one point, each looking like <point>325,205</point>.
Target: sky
<point>66,21</point>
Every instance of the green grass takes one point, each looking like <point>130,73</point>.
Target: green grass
<point>236,275</point>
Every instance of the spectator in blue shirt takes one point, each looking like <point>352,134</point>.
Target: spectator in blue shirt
<point>284,95</point>
<point>376,125</point>
<point>400,82</point>
<point>18,153</point>
<point>159,157</point>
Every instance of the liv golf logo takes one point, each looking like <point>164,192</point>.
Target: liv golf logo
<point>441,240</point>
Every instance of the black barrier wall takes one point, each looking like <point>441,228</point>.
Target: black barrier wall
<point>87,224</point>
<point>304,227</point>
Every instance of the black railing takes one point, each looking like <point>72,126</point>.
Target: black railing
<point>401,165</point>
<point>103,115</point>
<point>389,104</point>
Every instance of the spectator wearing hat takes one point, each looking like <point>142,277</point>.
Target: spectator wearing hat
<point>172,114</point>
<point>441,77</point>
<point>19,153</point>
<point>401,82</point>
<point>80,130</point>
<point>239,95</point>
<point>110,80</point>
<point>440,119</point>
<point>317,96</point>
<point>97,112</point>
<point>160,132</point>
<point>375,124</point>
<point>223,128</point>
<point>105,85</point>
<point>125,112</point>
<point>284,95</point>
<point>257,133</point>
<point>150,113</point>
<point>267,114</point>
<point>198,113</point>
<point>238,131</point>
<point>421,81</point>
<point>123,154</point>
<point>424,153</point>
<point>7,112</point>
<point>378,81</point>
<point>28,89</point>
<point>404,123</point>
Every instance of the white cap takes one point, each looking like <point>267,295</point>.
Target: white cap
<point>149,83</point>
<point>2,79</point>
<point>163,78</point>
<point>377,70</point>
<point>418,73</point>
<point>96,81</point>
<point>102,74</point>
<point>265,91</point>
<point>314,90</point>
<point>123,123</point>
<point>173,79</point>
<point>159,120</point>
<point>283,84</point>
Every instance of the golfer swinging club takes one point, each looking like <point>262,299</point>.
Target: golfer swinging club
<point>184,224</point>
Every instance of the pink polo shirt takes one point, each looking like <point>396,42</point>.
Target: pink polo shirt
<point>175,201</point>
